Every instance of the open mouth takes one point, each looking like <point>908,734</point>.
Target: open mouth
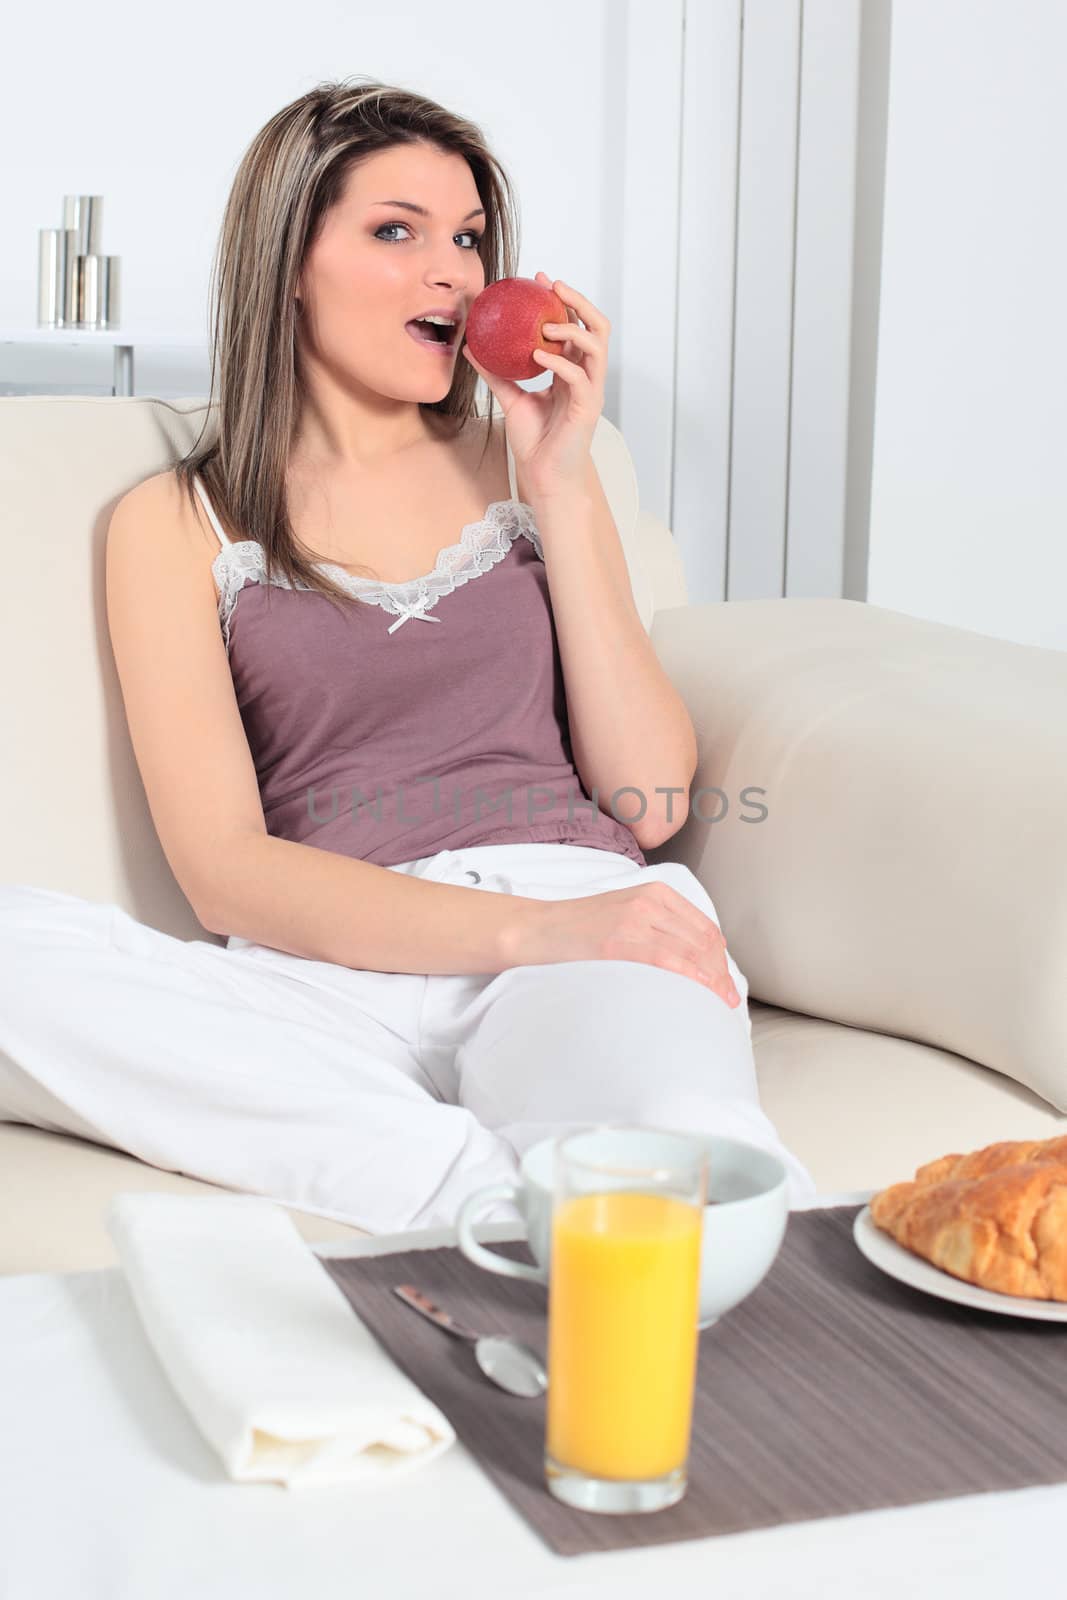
<point>433,334</point>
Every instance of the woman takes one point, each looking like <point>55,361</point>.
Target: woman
<point>391,702</point>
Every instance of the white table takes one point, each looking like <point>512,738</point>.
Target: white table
<point>109,1492</point>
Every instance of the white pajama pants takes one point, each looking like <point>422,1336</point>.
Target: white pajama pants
<point>379,1099</point>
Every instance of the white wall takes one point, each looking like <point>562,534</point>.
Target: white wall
<point>969,490</point>
<point>155,113</point>
<point>642,137</point>
<point>637,133</point>
<point>604,123</point>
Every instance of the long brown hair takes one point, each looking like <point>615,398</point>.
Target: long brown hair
<point>293,172</point>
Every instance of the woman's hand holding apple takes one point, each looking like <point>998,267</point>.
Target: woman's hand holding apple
<point>550,430</point>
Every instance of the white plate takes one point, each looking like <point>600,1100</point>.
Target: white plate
<point>884,1252</point>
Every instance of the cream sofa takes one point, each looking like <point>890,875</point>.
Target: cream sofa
<point>888,859</point>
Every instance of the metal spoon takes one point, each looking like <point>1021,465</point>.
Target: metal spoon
<point>505,1362</point>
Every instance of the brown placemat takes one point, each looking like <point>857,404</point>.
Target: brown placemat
<point>833,1388</point>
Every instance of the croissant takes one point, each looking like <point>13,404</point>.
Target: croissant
<point>991,1158</point>
<point>996,1218</point>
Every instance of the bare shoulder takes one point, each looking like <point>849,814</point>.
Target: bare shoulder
<point>478,448</point>
<point>491,435</point>
<point>153,492</point>
<point>499,451</point>
<point>472,432</point>
<point>159,515</point>
<point>155,529</point>
<point>495,427</point>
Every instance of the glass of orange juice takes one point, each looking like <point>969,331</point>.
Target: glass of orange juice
<point>623,1297</point>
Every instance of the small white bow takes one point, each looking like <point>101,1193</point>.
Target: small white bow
<point>414,610</point>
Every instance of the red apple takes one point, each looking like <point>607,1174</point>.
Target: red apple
<point>504,327</point>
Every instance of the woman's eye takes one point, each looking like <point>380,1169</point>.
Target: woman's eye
<point>472,233</point>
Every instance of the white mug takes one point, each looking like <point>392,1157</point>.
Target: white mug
<point>744,1220</point>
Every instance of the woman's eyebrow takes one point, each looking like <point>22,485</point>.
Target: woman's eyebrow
<point>421,211</point>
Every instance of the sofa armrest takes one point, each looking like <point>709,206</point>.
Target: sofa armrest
<point>879,817</point>
<point>662,561</point>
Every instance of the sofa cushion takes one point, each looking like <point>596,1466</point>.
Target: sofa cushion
<point>878,816</point>
<point>55,1190</point>
<point>863,1110</point>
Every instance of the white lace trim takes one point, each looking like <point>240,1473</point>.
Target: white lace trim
<point>480,546</point>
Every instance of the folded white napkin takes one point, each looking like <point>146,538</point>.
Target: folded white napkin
<point>278,1371</point>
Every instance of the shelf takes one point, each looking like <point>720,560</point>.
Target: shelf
<point>156,338</point>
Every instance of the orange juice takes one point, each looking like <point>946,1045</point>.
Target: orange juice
<point>622,1333</point>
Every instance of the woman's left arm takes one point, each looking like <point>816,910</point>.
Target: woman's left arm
<point>632,737</point>
<point>630,729</point>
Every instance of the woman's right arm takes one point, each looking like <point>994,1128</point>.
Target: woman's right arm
<point>200,781</point>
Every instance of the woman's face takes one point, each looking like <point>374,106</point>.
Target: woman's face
<point>376,264</point>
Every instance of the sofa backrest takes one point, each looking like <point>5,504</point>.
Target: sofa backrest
<point>73,810</point>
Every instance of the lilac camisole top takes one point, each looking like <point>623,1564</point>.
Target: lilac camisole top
<point>431,717</point>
